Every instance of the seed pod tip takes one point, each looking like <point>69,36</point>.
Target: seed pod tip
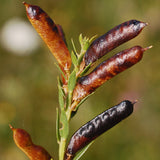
<point>146,23</point>
<point>143,24</point>
<point>147,48</point>
<point>11,127</point>
<point>24,3</point>
<point>135,101</point>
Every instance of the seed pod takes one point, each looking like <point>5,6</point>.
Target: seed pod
<point>113,38</point>
<point>49,32</point>
<point>105,71</point>
<point>97,126</point>
<point>23,140</point>
<point>61,33</point>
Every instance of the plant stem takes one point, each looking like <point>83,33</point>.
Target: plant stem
<point>68,114</point>
<point>62,146</point>
<point>66,99</point>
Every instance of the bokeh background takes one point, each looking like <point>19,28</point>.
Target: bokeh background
<point>28,78</point>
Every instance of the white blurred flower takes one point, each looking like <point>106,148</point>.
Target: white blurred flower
<point>18,37</point>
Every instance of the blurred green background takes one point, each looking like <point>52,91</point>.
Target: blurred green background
<point>28,78</point>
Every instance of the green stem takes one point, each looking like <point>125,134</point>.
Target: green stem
<point>68,106</point>
<point>69,100</point>
<point>68,114</point>
<point>62,146</point>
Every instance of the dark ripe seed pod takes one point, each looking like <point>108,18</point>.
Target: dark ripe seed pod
<point>24,142</point>
<point>105,71</point>
<point>51,34</point>
<point>97,126</point>
<point>113,38</point>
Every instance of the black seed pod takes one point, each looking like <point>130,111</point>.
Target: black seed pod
<point>97,126</point>
<point>112,39</point>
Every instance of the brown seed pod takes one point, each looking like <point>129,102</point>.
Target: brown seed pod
<point>61,32</point>
<point>113,38</point>
<point>98,126</point>
<point>24,142</point>
<point>49,32</point>
<point>105,71</point>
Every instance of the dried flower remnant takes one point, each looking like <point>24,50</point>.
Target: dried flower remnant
<point>51,35</point>
<point>98,126</point>
<point>112,39</point>
<point>105,71</point>
<point>23,140</point>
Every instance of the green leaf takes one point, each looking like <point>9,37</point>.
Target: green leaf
<point>86,69</point>
<point>86,45</point>
<point>60,70</point>
<point>72,81</point>
<point>80,58</point>
<point>64,130</point>
<point>71,85</point>
<point>91,39</point>
<point>80,39</point>
<point>61,95</point>
<point>57,126</point>
<point>85,42</point>
<point>80,154</point>
<point>74,59</point>
<point>82,101</point>
<point>74,48</point>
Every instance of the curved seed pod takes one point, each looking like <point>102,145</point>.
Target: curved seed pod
<point>113,38</point>
<point>23,140</point>
<point>49,32</point>
<point>106,70</point>
<point>97,126</point>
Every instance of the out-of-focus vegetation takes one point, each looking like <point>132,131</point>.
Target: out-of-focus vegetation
<point>28,90</point>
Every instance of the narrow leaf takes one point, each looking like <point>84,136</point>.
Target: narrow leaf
<point>57,126</point>
<point>82,101</point>
<point>80,58</point>
<point>80,154</point>
<point>60,70</point>
<point>64,130</point>
<point>74,48</point>
<point>92,38</point>
<point>72,81</point>
<point>74,58</point>
<point>80,39</point>
<point>61,95</point>
<point>86,69</point>
<point>86,45</point>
